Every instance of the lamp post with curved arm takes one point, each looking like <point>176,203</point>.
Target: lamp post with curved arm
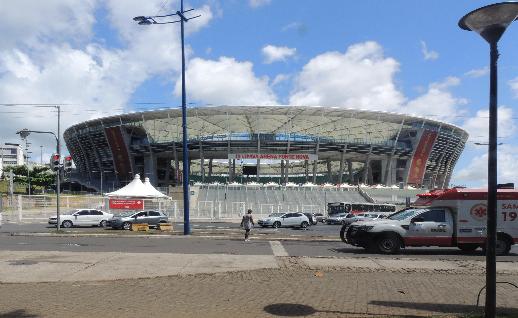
<point>159,19</point>
<point>24,133</point>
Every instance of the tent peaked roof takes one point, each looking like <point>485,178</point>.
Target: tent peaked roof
<point>152,190</point>
<point>137,189</point>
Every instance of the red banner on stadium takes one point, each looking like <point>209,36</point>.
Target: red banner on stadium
<point>119,151</point>
<point>422,152</point>
<point>126,204</point>
<point>272,156</point>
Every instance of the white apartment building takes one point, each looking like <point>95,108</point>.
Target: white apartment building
<point>11,155</point>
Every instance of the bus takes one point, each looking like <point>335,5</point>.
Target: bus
<point>357,208</point>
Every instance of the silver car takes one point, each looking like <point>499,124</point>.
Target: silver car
<point>125,219</point>
<point>82,217</point>
<point>276,220</point>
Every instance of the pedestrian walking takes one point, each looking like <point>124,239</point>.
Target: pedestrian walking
<point>247,222</point>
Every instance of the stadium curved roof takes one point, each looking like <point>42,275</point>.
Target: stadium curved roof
<point>340,124</point>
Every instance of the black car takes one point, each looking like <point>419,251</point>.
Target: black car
<point>312,218</point>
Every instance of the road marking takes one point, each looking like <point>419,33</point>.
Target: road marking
<point>278,249</point>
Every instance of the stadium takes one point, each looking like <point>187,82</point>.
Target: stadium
<point>260,145</point>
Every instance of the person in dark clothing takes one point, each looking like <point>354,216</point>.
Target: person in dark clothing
<point>247,223</point>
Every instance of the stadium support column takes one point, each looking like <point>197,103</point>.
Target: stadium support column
<point>350,171</point>
<point>329,171</point>
<point>229,136</point>
<point>286,167</point>
<point>176,165</point>
<point>233,168</point>
<point>282,172</point>
<point>210,167</point>
<point>341,172</point>
<point>202,163</point>
<point>366,166</point>
<point>258,169</point>
<point>315,162</point>
<point>386,180</point>
<point>306,169</point>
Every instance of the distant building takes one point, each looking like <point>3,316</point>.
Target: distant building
<point>11,155</point>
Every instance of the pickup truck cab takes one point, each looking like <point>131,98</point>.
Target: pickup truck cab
<point>454,217</point>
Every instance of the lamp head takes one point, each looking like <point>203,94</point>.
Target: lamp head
<point>490,21</point>
<point>24,133</point>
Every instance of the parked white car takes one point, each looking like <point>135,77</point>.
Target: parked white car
<point>276,220</point>
<point>82,217</point>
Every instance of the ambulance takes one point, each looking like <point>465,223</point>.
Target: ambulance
<point>449,218</point>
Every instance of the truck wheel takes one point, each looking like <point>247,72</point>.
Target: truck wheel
<point>503,246</point>
<point>342,233</point>
<point>388,244</point>
<point>468,247</point>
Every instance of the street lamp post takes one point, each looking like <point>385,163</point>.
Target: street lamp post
<point>491,22</point>
<point>147,20</point>
<point>24,133</point>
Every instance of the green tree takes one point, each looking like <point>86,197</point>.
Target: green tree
<point>39,175</point>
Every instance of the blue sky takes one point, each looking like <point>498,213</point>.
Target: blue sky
<point>401,56</point>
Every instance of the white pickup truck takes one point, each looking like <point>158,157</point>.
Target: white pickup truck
<point>452,217</point>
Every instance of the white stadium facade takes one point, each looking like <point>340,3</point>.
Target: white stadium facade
<point>281,144</point>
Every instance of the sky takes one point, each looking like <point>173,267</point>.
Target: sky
<point>400,56</point>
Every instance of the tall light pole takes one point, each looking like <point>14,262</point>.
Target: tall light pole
<point>24,133</point>
<point>491,22</point>
<point>147,20</point>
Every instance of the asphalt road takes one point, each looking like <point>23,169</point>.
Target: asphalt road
<point>319,229</point>
<point>204,245</point>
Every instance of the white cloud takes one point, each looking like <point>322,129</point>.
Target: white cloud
<point>273,53</point>
<point>31,23</point>
<point>280,78</point>
<point>513,84</point>
<point>438,102</point>
<point>478,126</point>
<point>428,54</point>
<point>226,82</point>
<point>258,3</point>
<point>475,173</point>
<point>51,58</point>
<point>479,72</point>
<point>359,78</point>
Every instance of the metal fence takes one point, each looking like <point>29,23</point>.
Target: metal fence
<point>38,208</point>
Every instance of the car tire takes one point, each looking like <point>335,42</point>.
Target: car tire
<point>503,246</point>
<point>468,247</point>
<point>67,224</point>
<point>388,244</point>
<point>304,224</point>
<point>126,225</point>
<point>276,224</point>
<point>103,223</point>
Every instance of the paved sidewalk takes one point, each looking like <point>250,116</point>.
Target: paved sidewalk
<point>82,284</point>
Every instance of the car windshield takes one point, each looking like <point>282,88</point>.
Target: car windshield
<point>125,214</point>
<point>405,214</point>
<point>276,215</point>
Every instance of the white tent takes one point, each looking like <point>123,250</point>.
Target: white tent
<point>137,189</point>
